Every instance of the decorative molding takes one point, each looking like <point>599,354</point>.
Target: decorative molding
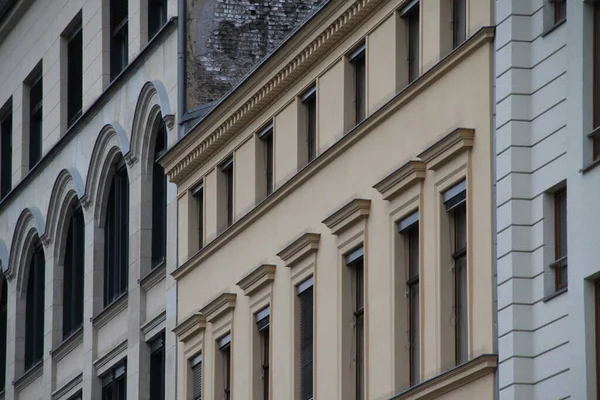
<point>401,179</point>
<point>484,36</point>
<point>152,324</point>
<point>154,277</point>
<point>300,248</point>
<point>29,376</point>
<point>447,148</point>
<point>197,153</point>
<point>130,158</point>
<point>111,355</point>
<point>348,215</point>
<point>257,279</point>
<point>68,345</point>
<point>169,120</point>
<point>67,387</point>
<point>219,306</point>
<point>111,311</point>
<point>452,379</point>
<point>191,326</point>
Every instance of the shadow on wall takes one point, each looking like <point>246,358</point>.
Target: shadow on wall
<point>227,38</point>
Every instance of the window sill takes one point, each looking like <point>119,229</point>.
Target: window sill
<point>155,276</point>
<point>29,376</point>
<point>110,311</point>
<point>553,27</point>
<point>67,345</point>
<point>590,166</point>
<point>555,294</point>
<point>452,379</point>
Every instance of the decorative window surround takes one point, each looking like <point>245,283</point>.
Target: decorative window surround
<point>68,345</point>
<point>447,148</point>
<point>258,279</point>
<point>113,309</point>
<point>219,306</point>
<point>154,326</point>
<point>29,376</point>
<point>68,389</point>
<point>110,359</point>
<point>299,249</point>
<point>451,379</point>
<point>348,215</point>
<point>154,277</point>
<point>401,179</point>
<point>190,327</point>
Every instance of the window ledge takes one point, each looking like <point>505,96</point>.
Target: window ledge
<point>452,379</point>
<point>68,345</point>
<point>29,376</point>
<point>111,311</point>
<point>190,326</point>
<point>553,27</point>
<point>300,248</point>
<point>348,215</point>
<point>154,277</point>
<point>555,294</point>
<point>151,327</point>
<point>114,356</point>
<point>590,166</point>
<point>257,279</point>
<point>68,387</point>
<point>219,306</point>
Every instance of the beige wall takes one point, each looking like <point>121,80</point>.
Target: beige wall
<point>455,95</point>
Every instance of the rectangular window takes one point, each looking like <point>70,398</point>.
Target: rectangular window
<point>74,75</point>
<point>119,37</point>
<point>410,13</point>
<point>597,312</point>
<point>560,10</point>
<point>596,91</point>
<point>459,22</point>
<point>224,372</point>
<point>34,316</point>
<point>6,151</point>
<point>266,137</point>
<point>409,229</point>
<point>159,200</point>
<point>3,328</point>
<point>157,16</point>
<point>305,300</point>
<point>197,377</point>
<point>263,326</point>
<point>227,171</point>
<point>198,194</point>
<point>35,118</point>
<point>309,101</point>
<point>355,261</point>
<point>73,274</point>
<point>157,368</point>
<point>358,59</point>
<point>113,383</point>
<point>455,200</point>
<point>559,266</point>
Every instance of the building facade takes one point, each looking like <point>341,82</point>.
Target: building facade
<point>335,213</point>
<point>88,103</point>
<point>547,98</point>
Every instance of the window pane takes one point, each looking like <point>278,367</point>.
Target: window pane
<point>311,126</point>
<point>415,366</point>
<point>119,37</point>
<point>459,21</point>
<point>359,87</point>
<point>3,327</point>
<point>159,200</point>
<point>560,10</point>
<point>561,223</point>
<point>306,344</point>
<point>197,374</point>
<point>6,154</point>
<point>74,75</point>
<point>461,310</point>
<point>264,340</point>
<point>35,121</point>
<point>34,319</point>
<point>157,370</point>
<point>413,43</point>
<point>157,16</point>
<point>267,141</point>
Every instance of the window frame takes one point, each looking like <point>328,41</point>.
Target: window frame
<point>263,327</point>
<point>596,83</point>
<point>561,258</point>
<point>159,199</point>
<point>305,295</point>
<point>34,336</point>
<point>411,15</point>
<point>196,363</point>
<point>111,381</point>
<point>224,348</point>
<point>309,102</point>
<point>74,103</point>
<point>36,117</point>
<point>157,17</point>
<point>6,142</point>
<point>459,29</point>
<point>198,195</point>
<point>3,331</point>
<point>73,273</point>
<point>358,60</point>
<point>119,41</point>
<point>355,261</point>
<point>157,352</point>
<point>559,11</point>
<point>267,138</point>
<point>227,169</point>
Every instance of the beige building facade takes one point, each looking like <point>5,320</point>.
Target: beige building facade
<point>335,214</point>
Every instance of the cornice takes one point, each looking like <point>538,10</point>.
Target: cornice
<point>452,379</point>
<point>111,311</point>
<point>401,179</point>
<point>257,279</point>
<point>300,248</point>
<point>191,326</point>
<point>67,387</point>
<point>179,165</point>
<point>348,215</point>
<point>29,376</point>
<point>68,345</point>
<point>447,148</point>
<point>154,277</point>
<point>111,355</point>
<point>219,306</point>
<point>153,323</point>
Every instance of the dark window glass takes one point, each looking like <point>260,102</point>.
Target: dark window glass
<point>596,67</point>
<point>360,83</point>
<point>199,196</point>
<point>157,16</point>
<point>119,40</point>
<point>412,239</point>
<point>35,120</point>
<point>358,293</point>
<point>459,214</point>
<point>197,377</point>
<point>225,352</point>
<point>310,103</point>
<point>159,200</point>
<point>560,10</point>
<point>6,153</point>
<point>73,274</point>
<point>263,328</point>
<point>34,318</point>
<point>227,170</point>
<point>267,141</point>
<point>74,75</point>
<point>560,240</point>
<point>116,236</point>
<point>306,343</point>
<point>3,325</point>
<point>412,20</point>
<point>459,21</point>
<point>114,383</point>
<point>597,312</point>
<point>157,368</point>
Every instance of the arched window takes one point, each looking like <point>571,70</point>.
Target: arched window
<point>34,317</point>
<point>3,320</point>
<point>116,235</point>
<point>73,274</point>
<point>159,200</point>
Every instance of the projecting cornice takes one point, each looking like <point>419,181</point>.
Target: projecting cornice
<point>401,179</point>
<point>194,150</point>
<point>348,215</point>
<point>257,279</point>
<point>300,248</point>
<point>447,148</point>
<point>219,306</point>
<point>190,326</point>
